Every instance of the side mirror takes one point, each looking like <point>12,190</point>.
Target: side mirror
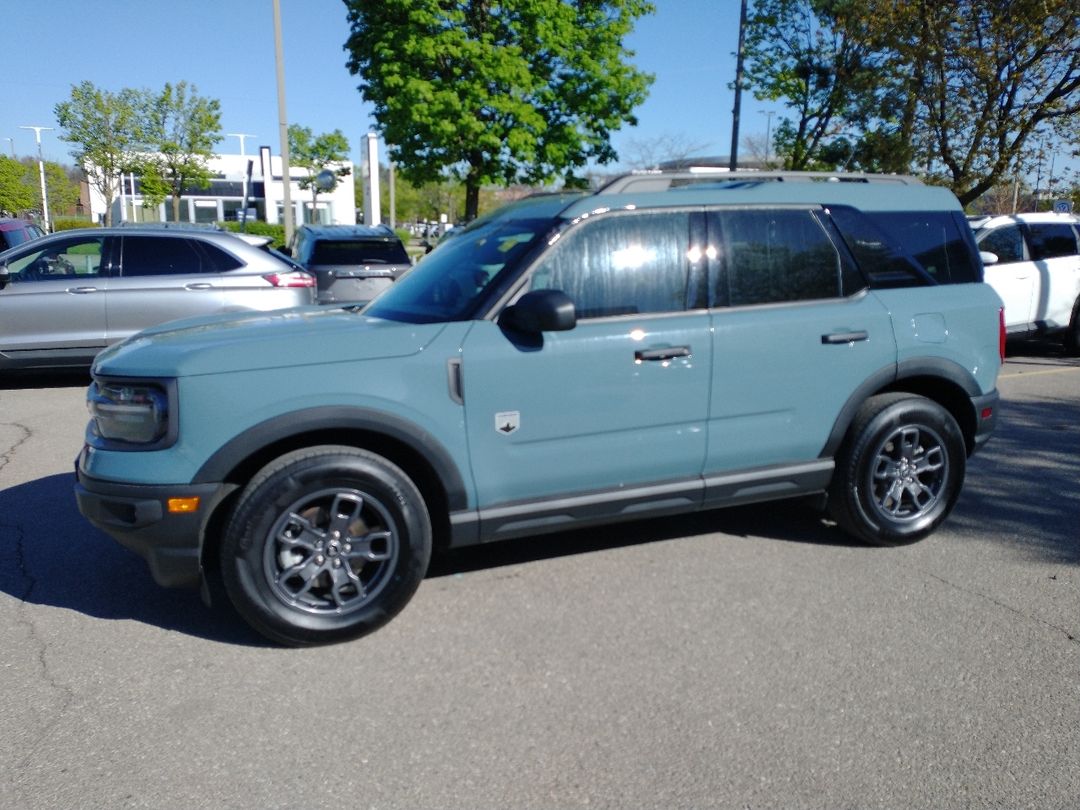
<point>540,311</point>
<point>5,276</point>
<point>988,257</point>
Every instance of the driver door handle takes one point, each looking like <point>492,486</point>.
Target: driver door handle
<point>199,285</point>
<point>82,290</point>
<point>666,353</point>
<point>835,338</point>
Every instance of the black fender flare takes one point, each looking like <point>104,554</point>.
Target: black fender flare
<point>337,418</point>
<point>891,379</point>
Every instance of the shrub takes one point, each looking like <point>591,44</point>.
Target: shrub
<point>259,228</point>
<point>69,223</point>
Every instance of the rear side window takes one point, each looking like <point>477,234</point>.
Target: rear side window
<point>218,259</point>
<point>621,264</point>
<point>1051,240</point>
<point>910,248</point>
<point>770,256</point>
<point>356,251</point>
<point>161,256</point>
<point>1006,243</point>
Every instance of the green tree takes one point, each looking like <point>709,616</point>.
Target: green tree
<point>17,191</point>
<point>819,57</point>
<point>496,92</point>
<point>179,131</point>
<point>987,76</point>
<point>62,188</point>
<point>104,127</point>
<point>317,154</point>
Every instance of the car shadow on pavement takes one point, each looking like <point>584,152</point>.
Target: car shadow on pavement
<point>50,555</point>
<point>1023,488</point>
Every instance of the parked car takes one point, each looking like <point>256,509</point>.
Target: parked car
<point>571,360</point>
<point>353,263</point>
<point>65,297</point>
<point>16,231</point>
<point>1033,261</point>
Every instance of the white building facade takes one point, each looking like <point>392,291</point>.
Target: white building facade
<point>237,182</point>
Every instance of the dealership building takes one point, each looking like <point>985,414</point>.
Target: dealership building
<point>254,182</point>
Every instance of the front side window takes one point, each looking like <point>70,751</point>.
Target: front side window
<point>76,257</point>
<point>1006,243</point>
<point>621,264</point>
<point>771,256</point>
<point>161,256</point>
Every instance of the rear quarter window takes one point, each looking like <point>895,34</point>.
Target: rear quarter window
<point>910,248</point>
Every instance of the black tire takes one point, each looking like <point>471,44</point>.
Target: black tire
<point>899,471</point>
<point>325,544</point>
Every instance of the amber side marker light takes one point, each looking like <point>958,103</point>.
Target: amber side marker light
<point>179,506</point>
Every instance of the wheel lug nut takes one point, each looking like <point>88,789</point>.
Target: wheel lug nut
<point>337,563</point>
<point>320,559</point>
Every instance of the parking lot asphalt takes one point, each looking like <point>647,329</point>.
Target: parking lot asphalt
<point>746,658</point>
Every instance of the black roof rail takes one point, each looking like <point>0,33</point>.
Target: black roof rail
<point>663,180</point>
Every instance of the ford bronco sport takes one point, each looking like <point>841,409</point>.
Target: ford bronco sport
<point>569,360</point>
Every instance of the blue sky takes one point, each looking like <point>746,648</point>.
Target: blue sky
<point>226,49</point>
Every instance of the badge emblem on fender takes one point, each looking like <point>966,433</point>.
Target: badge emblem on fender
<point>507,422</point>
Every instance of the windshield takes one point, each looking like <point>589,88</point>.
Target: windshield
<point>449,281</point>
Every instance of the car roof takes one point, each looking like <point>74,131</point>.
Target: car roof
<point>1043,217</point>
<point>881,193</point>
<point>348,231</point>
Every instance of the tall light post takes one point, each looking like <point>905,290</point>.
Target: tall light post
<point>242,136</point>
<point>41,172</point>
<point>283,126</point>
<point>12,142</point>
<point>768,133</point>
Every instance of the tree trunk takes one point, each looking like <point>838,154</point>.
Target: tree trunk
<point>176,207</point>
<point>472,197</point>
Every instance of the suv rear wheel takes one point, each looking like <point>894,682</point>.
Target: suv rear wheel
<point>899,472</point>
<point>325,544</point>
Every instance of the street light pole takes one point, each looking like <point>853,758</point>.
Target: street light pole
<point>283,126</point>
<point>41,172</point>
<point>768,133</point>
<point>242,136</point>
<point>12,142</point>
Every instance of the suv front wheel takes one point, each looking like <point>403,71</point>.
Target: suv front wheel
<point>899,472</point>
<point>325,544</point>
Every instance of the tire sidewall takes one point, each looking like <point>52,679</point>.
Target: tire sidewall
<point>266,500</point>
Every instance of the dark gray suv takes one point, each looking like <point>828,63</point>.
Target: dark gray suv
<point>352,263</point>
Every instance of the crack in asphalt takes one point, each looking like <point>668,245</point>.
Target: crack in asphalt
<point>1070,635</point>
<point>22,590</point>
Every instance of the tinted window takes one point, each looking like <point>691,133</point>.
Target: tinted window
<point>768,256</point>
<point>74,257</point>
<point>621,264</point>
<point>1006,243</point>
<point>1050,240</point>
<point>161,256</point>
<point>355,251</point>
<point>934,239</point>
<point>910,248</point>
<point>218,259</point>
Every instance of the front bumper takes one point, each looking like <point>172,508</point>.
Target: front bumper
<point>137,517</point>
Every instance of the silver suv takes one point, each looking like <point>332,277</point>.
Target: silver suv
<point>65,297</point>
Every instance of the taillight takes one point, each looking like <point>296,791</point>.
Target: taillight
<point>1001,333</point>
<point>293,279</point>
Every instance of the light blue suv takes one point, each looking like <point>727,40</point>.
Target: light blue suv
<point>569,360</point>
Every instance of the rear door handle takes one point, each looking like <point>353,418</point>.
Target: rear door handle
<point>666,353</point>
<point>834,338</point>
<point>82,290</point>
<point>199,285</point>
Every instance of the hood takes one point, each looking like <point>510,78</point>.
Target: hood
<point>227,343</point>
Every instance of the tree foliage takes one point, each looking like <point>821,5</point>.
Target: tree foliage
<point>179,130</point>
<point>318,153</point>
<point>104,128</point>
<point>496,91</point>
<point>17,192</point>
<point>958,90</point>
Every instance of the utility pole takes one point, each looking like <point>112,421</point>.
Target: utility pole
<point>283,127</point>
<point>733,162</point>
<point>41,171</point>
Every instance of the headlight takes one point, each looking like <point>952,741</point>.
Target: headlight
<point>128,412</point>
